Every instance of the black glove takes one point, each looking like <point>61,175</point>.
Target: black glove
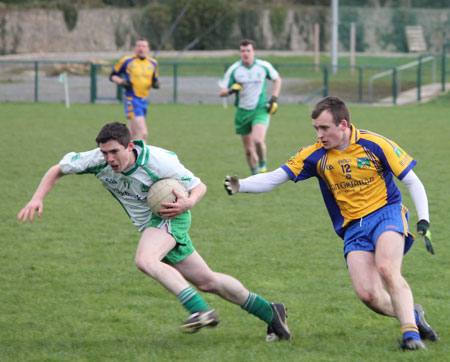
<point>272,106</point>
<point>236,87</point>
<point>127,85</point>
<point>156,84</point>
<point>423,228</point>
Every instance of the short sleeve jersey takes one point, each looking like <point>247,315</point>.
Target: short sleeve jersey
<point>142,73</point>
<point>131,186</point>
<point>253,80</point>
<point>356,181</point>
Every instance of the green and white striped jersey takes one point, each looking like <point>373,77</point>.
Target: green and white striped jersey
<point>131,186</point>
<point>253,80</point>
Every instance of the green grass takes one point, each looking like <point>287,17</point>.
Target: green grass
<point>69,287</point>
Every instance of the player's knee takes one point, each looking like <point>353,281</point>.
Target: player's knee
<point>249,151</point>
<point>259,142</point>
<point>388,275</point>
<point>143,134</point>
<point>146,265</point>
<point>367,296</point>
<point>139,135</point>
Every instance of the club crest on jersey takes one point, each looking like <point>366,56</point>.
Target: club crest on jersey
<point>398,151</point>
<point>76,157</point>
<point>363,162</point>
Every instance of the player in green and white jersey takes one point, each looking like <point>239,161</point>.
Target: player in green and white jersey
<point>165,252</point>
<point>247,79</point>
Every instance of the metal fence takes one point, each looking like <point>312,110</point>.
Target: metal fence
<point>197,82</point>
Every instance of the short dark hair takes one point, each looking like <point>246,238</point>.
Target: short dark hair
<point>142,39</point>
<point>246,42</point>
<point>335,106</point>
<point>114,131</point>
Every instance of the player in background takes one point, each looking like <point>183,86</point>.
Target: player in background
<point>247,80</point>
<point>355,169</point>
<point>165,252</point>
<point>137,74</point>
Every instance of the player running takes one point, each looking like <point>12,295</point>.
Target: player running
<point>356,170</point>
<point>247,79</point>
<point>127,169</point>
<point>137,73</point>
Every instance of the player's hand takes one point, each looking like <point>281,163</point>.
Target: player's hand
<point>127,85</point>
<point>30,209</point>
<point>272,105</point>
<point>423,228</point>
<point>156,84</point>
<point>236,87</point>
<point>180,206</point>
<point>231,184</point>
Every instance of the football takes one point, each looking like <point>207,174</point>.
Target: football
<point>161,191</point>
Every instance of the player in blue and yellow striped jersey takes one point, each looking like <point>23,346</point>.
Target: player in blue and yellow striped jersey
<point>356,170</point>
<point>137,74</point>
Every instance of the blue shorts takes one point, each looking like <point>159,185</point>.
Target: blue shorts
<point>362,234</point>
<point>135,106</point>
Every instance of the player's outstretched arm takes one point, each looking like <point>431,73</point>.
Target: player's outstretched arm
<point>36,204</point>
<point>262,182</point>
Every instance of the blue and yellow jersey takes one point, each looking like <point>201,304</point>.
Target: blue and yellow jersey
<point>142,73</point>
<point>356,181</point>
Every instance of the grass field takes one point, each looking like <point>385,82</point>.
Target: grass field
<point>69,287</point>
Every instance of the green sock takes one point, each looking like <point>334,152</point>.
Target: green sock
<point>192,301</point>
<point>262,164</point>
<point>254,171</point>
<point>259,307</point>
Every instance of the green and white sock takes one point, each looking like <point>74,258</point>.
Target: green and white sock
<point>192,301</point>
<point>259,307</point>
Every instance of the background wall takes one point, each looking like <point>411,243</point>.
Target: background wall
<point>53,30</point>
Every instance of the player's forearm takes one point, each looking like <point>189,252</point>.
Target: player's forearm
<point>116,79</point>
<point>418,194</point>
<point>49,180</point>
<point>197,193</point>
<point>276,87</point>
<point>263,182</point>
<point>224,92</point>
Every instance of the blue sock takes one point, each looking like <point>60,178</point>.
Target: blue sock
<point>410,331</point>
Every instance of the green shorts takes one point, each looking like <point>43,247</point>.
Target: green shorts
<point>245,120</point>
<point>178,228</point>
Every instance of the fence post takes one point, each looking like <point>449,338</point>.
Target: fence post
<point>443,75</point>
<point>175,82</point>
<point>93,82</point>
<point>419,78</point>
<point>119,92</point>
<point>394,85</point>
<point>36,81</point>
<point>325,81</point>
<point>360,85</point>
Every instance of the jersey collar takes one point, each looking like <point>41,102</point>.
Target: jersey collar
<point>354,138</point>
<point>143,155</point>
